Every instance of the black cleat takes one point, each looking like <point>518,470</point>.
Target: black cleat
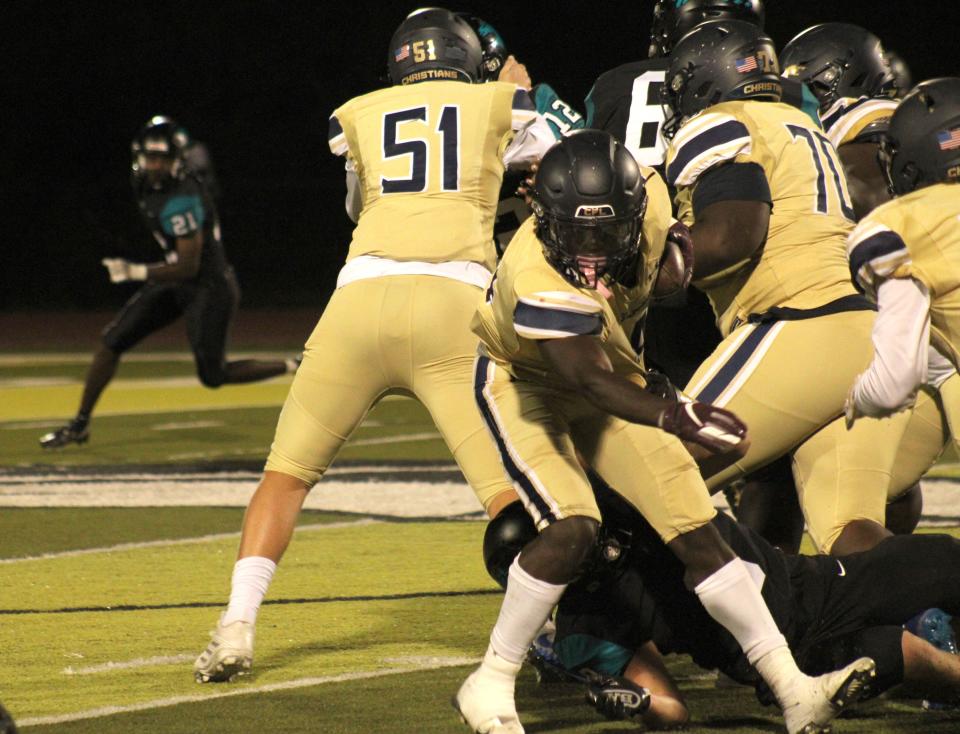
<point>70,433</point>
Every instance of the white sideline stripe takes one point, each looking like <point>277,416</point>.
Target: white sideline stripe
<point>128,664</point>
<point>29,358</point>
<point>437,664</point>
<point>129,383</point>
<point>178,541</point>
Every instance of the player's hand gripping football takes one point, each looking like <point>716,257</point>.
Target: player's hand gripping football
<point>715,429</point>
<point>617,698</point>
<point>123,270</point>
<point>676,264</point>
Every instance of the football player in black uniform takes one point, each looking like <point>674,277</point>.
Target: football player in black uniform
<point>632,606</point>
<point>194,280</point>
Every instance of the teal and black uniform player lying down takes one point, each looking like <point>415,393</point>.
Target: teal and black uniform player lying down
<point>174,187</point>
<point>831,610</point>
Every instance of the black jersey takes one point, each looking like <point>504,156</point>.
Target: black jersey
<point>625,102</point>
<point>636,594</point>
<point>831,610</point>
<point>179,210</point>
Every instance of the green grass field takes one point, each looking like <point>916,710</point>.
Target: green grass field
<point>370,625</point>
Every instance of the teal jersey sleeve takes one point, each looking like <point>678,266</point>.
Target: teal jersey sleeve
<point>182,215</point>
<point>561,117</point>
<point>811,105</point>
<point>585,651</point>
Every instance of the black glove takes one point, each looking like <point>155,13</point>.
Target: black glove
<point>680,235</point>
<point>659,384</point>
<point>713,428</point>
<point>617,698</point>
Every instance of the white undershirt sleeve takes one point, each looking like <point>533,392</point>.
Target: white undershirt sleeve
<point>939,368</point>
<point>530,143</point>
<point>901,341</point>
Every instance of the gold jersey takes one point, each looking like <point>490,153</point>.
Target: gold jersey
<point>916,236</point>
<point>428,157</point>
<point>803,263</point>
<point>849,118</point>
<point>528,300</point>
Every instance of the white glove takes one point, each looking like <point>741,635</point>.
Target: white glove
<point>123,270</point>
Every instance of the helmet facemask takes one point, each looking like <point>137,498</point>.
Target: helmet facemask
<point>593,247</point>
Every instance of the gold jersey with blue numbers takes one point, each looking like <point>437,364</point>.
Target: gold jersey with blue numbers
<point>802,264</point>
<point>428,157</point>
<point>916,236</point>
<point>529,301</point>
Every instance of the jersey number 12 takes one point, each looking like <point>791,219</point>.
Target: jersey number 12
<point>418,149</point>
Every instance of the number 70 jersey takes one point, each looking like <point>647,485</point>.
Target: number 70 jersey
<point>803,263</point>
<point>428,157</point>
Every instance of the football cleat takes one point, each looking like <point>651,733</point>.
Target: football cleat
<point>817,701</point>
<point>229,654</point>
<point>73,432</point>
<point>485,700</point>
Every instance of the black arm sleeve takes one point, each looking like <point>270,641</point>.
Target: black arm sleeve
<point>731,182</point>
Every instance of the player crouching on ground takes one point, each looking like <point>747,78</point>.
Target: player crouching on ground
<point>556,375</point>
<point>631,607</point>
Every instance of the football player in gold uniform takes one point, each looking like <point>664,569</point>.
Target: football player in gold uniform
<point>771,213</point>
<point>556,376</point>
<point>852,76</point>
<point>906,256</point>
<point>424,161</point>
<point>847,70</point>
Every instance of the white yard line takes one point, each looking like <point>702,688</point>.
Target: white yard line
<point>111,666</point>
<point>418,666</point>
<point>179,541</point>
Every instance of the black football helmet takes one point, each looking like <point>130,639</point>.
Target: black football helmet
<point>160,139</point>
<point>673,19</point>
<point>719,61</point>
<point>491,44</point>
<point>431,44</point>
<point>838,60</point>
<point>902,78</point>
<point>922,145</point>
<point>505,537</point>
<point>589,201</point>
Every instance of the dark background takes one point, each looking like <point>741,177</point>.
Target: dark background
<point>256,82</point>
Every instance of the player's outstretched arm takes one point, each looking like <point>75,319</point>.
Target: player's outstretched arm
<point>581,362</point>
<point>187,263</point>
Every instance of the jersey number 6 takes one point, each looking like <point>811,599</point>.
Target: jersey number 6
<point>419,148</point>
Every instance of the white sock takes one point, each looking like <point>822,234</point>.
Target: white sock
<point>526,606</point>
<point>251,577</point>
<point>732,598</point>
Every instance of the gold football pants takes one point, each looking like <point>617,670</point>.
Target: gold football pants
<point>406,334</point>
<point>788,380</point>
<point>538,430</point>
